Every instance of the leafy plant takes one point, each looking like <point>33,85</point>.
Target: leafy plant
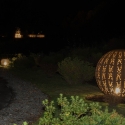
<point>75,111</point>
<point>76,71</point>
<point>24,123</point>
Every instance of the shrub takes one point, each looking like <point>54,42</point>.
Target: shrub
<point>37,57</point>
<point>23,62</point>
<point>51,58</point>
<point>90,54</point>
<point>81,53</point>
<point>76,71</point>
<point>48,63</point>
<point>95,56</point>
<point>75,111</point>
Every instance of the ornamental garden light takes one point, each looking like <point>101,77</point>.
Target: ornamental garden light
<point>5,62</point>
<point>110,73</point>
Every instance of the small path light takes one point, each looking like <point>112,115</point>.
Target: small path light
<point>5,62</point>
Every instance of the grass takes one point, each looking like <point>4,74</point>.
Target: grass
<point>53,86</point>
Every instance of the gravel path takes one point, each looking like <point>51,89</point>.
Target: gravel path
<point>27,104</point>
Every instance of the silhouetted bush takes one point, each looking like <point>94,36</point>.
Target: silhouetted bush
<point>23,62</point>
<point>48,63</point>
<point>76,71</point>
<point>89,54</point>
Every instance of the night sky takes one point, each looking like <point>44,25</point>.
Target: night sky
<point>92,20</point>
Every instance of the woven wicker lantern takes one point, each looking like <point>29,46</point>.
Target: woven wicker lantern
<point>110,73</point>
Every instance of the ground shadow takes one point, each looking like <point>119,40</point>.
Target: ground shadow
<point>106,98</point>
<point>7,94</point>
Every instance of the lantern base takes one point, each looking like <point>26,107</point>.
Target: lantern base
<point>113,100</point>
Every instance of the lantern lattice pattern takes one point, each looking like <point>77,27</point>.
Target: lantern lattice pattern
<point>110,73</point>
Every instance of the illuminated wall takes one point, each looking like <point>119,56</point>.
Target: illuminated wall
<point>110,73</point>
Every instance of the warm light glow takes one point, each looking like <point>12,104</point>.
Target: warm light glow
<point>5,62</point>
<point>18,34</point>
<point>32,35</point>
<point>40,35</point>
<point>110,73</point>
<point>117,90</point>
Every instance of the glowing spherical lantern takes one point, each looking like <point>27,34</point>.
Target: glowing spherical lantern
<point>110,73</point>
<point>5,62</point>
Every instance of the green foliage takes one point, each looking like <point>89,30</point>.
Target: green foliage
<point>95,57</point>
<point>48,63</point>
<point>37,57</point>
<point>75,111</point>
<point>76,71</point>
<point>90,54</point>
<point>81,53</point>
<point>52,58</point>
<point>23,62</point>
<point>24,123</point>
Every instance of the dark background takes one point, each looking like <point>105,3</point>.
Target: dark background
<point>90,22</point>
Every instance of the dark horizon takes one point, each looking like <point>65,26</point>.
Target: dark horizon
<point>92,20</point>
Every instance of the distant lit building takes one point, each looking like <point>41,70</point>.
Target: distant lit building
<point>32,35</point>
<point>39,35</point>
<point>18,34</point>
